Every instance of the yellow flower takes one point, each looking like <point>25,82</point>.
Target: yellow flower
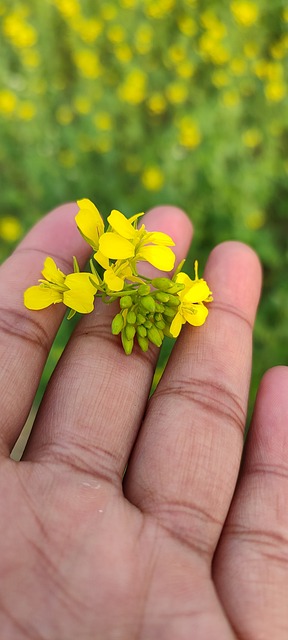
<point>10,228</point>
<point>75,290</point>
<point>245,12</point>
<point>125,242</point>
<point>115,275</point>
<point>152,178</point>
<point>191,308</point>
<point>89,222</point>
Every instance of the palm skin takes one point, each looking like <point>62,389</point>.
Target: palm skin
<point>188,546</point>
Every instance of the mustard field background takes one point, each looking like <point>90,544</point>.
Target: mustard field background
<point>132,103</point>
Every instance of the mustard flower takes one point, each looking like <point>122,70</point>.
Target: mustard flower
<point>75,290</point>
<point>191,308</point>
<point>125,242</point>
<point>91,226</point>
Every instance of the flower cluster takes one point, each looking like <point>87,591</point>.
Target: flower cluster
<point>149,308</point>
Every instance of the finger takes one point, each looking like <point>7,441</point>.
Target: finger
<point>251,564</point>
<point>186,459</point>
<point>26,337</point>
<point>97,395</point>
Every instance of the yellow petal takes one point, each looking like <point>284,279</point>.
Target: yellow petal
<point>135,217</point>
<point>121,225</point>
<point>115,283</point>
<point>160,257</point>
<point>198,291</point>
<point>196,315</point>
<point>157,237</point>
<point>183,278</point>
<point>176,325</point>
<point>40,297</point>
<point>52,273</point>
<point>89,222</point>
<point>102,260</point>
<point>114,247</point>
<point>80,296</point>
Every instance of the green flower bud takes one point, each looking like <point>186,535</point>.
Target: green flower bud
<point>143,343</point>
<point>141,331</point>
<point>162,296</point>
<point>148,303</point>
<point>126,302</point>
<point>148,324</point>
<point>117,324</point>
<point>173,301</point>
<point>154,336</point>
<point>177,287</point>
<point>144,290</point>
<point>127,344</point>
<point>131,317</point>
<point>158,317</point>
<point>170,312</point>
<point>130,331</point>
<point>140,318</point>
<point>160,324</point>
<point>159,307</point>
<point>163,284</point>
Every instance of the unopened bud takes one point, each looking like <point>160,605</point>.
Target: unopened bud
<point>173,301</point>
<point>154,336</point>
<point>130,331</point>
<point>170,312</point>
<point>148,303</point>
<point>144,290</point>
<point>141,331</point>
<point>140,318</point>
<point>162,296</point>
<point>117,324</point>
<point>163,284</point>
<point>143,343</point>
<point>126,302</point>
<point>131,317</point>
<point>127,344</point>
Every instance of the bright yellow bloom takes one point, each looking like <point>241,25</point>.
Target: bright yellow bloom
<point>75,290</point>
<point>125,242</point>
<point>191,308</point>
<point>245,13</point>
<point>116,274</point>
<point>89,222</point>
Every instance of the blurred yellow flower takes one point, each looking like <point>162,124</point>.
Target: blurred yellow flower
<point>82,104</point>
<point>152,178</point>
<point>157,103</point>
<point>245,13</point>
<point>238,66</point>
<point>220,78</point>
<point>186,69</point>
<point>116,33</point>
<point>143,38</point>
<point>177,52</point>
<point>158,9</point>
<point>177,92</point>
<point>230,98</point>
<point>187,25</point>
<point>255,220</point>
<point>68,8</point>
<point>26,110</point>
<point>133,89</point>
<point>64,115</point>
<point>103,121</point>
<point>251,49</point>
<point>189,133</point>
<point>10,228</point>
<point>252,137</point>
<point>123,52</point>
<point>8,102</point>
<point>109,11</point>
<point>31,58</point>
<point>88,63</point>
<point>88,29</point>
<point>21,34</point>
<point>275,91</point>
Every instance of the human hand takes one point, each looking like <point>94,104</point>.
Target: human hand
<point>176,552</point>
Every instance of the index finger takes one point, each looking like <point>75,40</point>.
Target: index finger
<point>25,337</point>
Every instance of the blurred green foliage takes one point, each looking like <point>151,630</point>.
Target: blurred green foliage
<point>132,103</point>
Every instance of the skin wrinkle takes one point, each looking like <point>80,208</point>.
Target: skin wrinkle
<point>66,265</point>
<point>20,325</point>
<point>189,389</point>
<point>232,310</point>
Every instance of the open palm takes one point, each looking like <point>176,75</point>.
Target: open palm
<point>188,546</point>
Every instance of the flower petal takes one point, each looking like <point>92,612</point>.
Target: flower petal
<point>80,296</point>
<point>115,283</point>
<point>196,315</point>
<point>135,217</point>
<point>52,273</point>
<point>115,247</point>
<point>89,222</point>
<point>176,325</point>
<point>40,297</point>
<point>157,237</point>
<point>121,225</point>
<point>160,257</point>
<point>198,292</point>
<point>102,260</point>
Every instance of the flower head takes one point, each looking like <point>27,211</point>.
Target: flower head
<point>75,290</point>
<point>191,308</point>
<point>126,242</point>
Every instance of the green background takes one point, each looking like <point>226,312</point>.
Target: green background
<point>132,103</point>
